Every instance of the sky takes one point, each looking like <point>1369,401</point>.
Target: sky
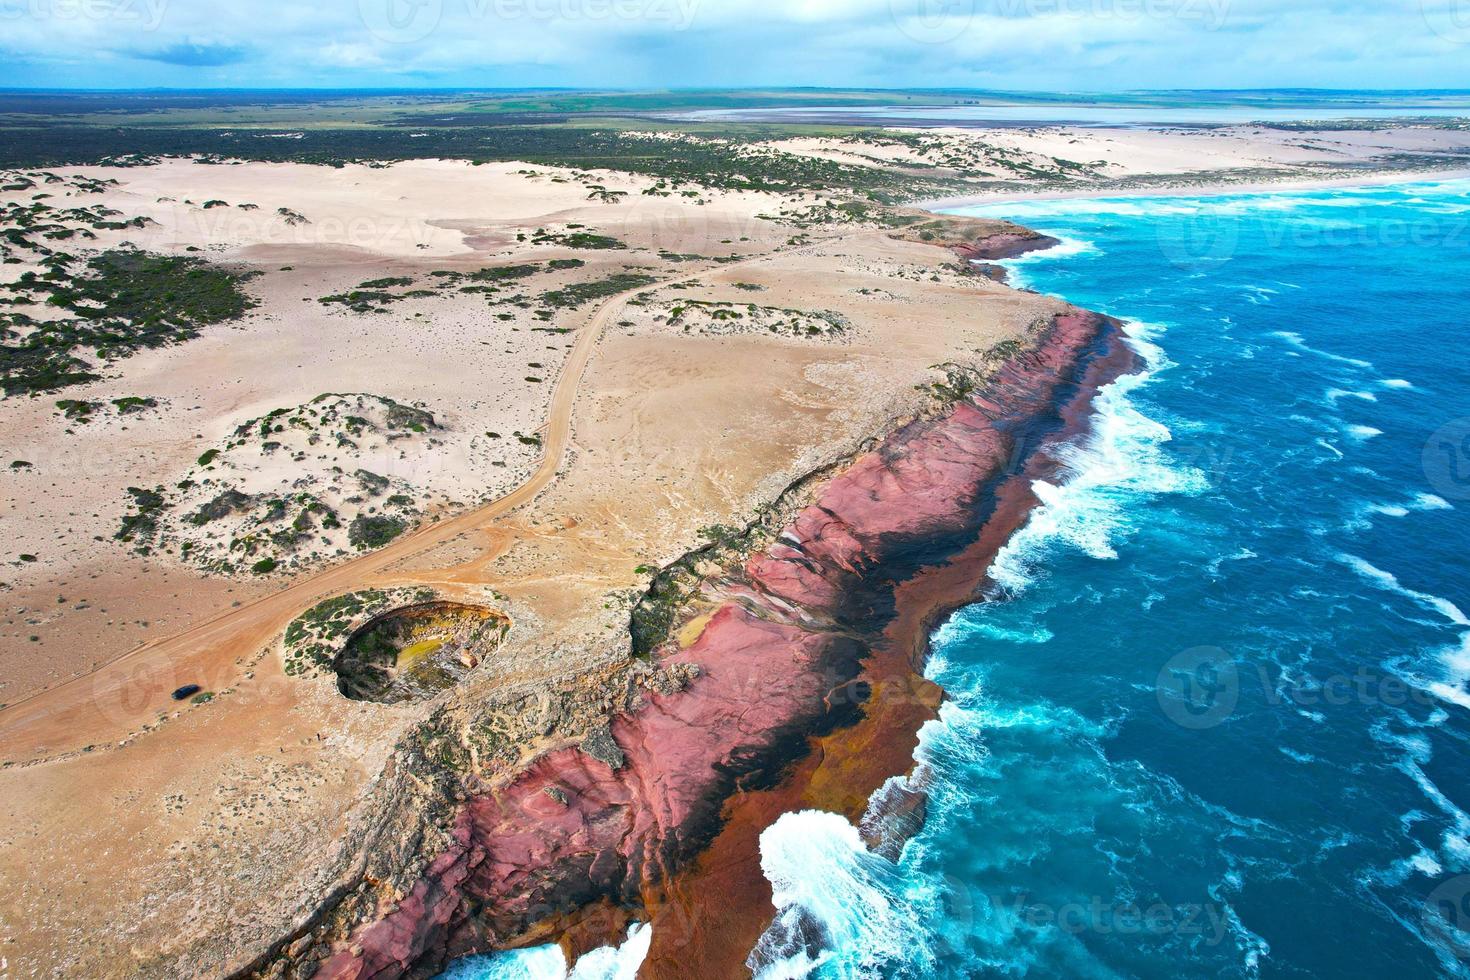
<point>1072,45</point>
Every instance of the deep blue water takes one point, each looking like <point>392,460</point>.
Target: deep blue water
<point>1213,720</point>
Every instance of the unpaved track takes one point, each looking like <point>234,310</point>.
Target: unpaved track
<point>119,698</point>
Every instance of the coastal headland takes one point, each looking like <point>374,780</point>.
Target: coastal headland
<point>804,651</point>
<point>519,539</point>
<point>695,382</point>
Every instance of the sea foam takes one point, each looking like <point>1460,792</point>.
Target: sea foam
<point>549,963</point>
<point>1122,460</point>
<point>1389,582</point>
<point>836,902</point>
<point>1066,247</point>
<point>1299,343</point>
<point>1050,769</point>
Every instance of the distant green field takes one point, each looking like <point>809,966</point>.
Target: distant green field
<point>39,129</point>
<point>578,130</point>
<point>312,110</point>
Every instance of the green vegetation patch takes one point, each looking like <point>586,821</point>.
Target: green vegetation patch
<point>576,239</point>
<point>374,530</point>
<point>77,410</point>
<point>220,527</point>
<point>719,317</point>
<point>133,404</point>
<point>585,292</point>
<point>373,297</point>
<point>501,273</point>
<point>143,521</point>
<point>312,639</point>
<point>120,302</point>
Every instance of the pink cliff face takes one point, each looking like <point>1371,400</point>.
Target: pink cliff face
<point>777,661</point>
<point>1006,245</point>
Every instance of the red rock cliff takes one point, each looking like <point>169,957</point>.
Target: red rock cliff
<point>793,705</point>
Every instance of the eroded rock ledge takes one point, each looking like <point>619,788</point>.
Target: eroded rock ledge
<point>1005,245</point>
<point>772,635</point>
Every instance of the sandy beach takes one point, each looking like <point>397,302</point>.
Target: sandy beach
<point>1205,190</point>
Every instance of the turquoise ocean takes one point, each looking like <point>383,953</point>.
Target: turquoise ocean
<point>1211,717</point>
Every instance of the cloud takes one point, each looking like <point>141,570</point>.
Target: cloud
<point>352,55</point>
<point>193,55</point>
<point>1009,44</point>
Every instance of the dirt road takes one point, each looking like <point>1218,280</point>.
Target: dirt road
<point>120,697</point>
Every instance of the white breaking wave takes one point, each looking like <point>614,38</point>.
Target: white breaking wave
<point>1022,211</point>
<point>1336,394</point>
<point>616,962</point>
<point>1363,433</point>
<point>1225,205</point>
<point>960,625</point>
<point>1421,862</point>
<point>539,963</point>
<point>549,963</point>
<point>1419,502</point>
<point>835,901</point>
<point>1066,247</point>
<point>1390,583</point>
<point>1416,755</point>
<point>1296,341</point>
<point>967,723</point>
<point>1453,684</point>
<point>1455,659</point>
<point>1122,460</point>
<point>843,910</point>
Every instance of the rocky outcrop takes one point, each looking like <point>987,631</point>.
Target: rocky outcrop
<point>411,653</point>
<point>1004,245</point>
<point>783,663</point>
<point>931,561</point>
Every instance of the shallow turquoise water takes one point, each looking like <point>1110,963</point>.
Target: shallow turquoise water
<point>1212,719</point>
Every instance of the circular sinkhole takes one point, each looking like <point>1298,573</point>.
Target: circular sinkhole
<point>414,652</point>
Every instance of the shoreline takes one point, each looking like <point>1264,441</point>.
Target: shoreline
<point>946,205</point>
<point>276,814</point>
<point>715,423</point>
<point>666,816</point>
<point>851,771</point>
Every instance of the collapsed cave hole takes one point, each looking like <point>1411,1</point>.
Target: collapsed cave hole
<point>414,652</point>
